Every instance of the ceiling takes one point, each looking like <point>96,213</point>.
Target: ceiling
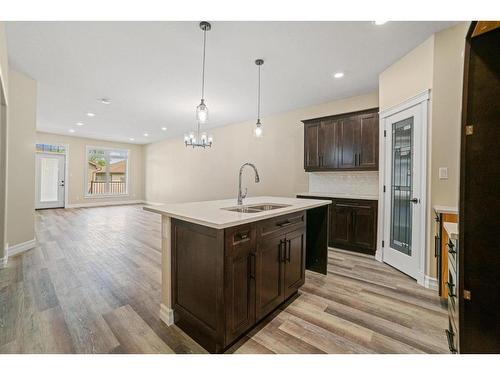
<point>151,71</point>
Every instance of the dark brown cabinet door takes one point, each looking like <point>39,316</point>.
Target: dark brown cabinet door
<point>311,146</point>
<point>328,148</point>
<point>295,257</point>
<point>348,139</point>
<point>353,225</point>
<point>367,157</point>
<point>363,229</point>
<point>342,142</point>
<point>240,270</point>
<point>340,224</point>
<point>269,275</point>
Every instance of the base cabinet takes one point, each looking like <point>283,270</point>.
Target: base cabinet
<point>225,281</point>
<point>352,224</point>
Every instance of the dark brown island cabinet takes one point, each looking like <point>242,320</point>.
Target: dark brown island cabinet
<point>473,295</point>
<point>346,142</point>
<point>227,280</point>
<point>352,224</point>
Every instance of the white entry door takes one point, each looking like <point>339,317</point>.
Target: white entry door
<point>50,176</point>
<point>404,177</point>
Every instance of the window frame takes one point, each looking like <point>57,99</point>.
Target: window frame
<point>86,175</point>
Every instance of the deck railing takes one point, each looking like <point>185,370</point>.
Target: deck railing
<point>99,187</point>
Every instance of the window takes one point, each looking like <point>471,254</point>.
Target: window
<point>106,171</point>
<point>55,149</point>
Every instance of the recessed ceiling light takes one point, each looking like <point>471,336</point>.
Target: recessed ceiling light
<point>71,130</point>
<point>146,134</point>
<point>132,139</point>
<point>79,123</point>
<point>90,114</point>
<point>105,101</point>
<point>164,128</point>
<point>338,75</point>
<point>379,23</point>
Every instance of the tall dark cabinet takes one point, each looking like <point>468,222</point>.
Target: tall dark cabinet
<point>476,328</point>
<point>348,141</point>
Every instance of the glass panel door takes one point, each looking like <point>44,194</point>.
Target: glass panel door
<point>402,185</point>
<point>49,179</point>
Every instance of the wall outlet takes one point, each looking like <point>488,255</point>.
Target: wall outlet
<point>443,173</point>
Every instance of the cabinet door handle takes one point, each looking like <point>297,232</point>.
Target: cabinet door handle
<point>282,252</point>
<point>355,159</point>
<point>252,266</point>
<point>287,248</point>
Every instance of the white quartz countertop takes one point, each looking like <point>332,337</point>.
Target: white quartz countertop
<point>211,213</point>
<point>445,209</point>
<point>340,195</point>
<point>451,229</point>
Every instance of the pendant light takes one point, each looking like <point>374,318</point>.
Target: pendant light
<point>258,130</point>
<point>202,109</point>
<point>198,138</point>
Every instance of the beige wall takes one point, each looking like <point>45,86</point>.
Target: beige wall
<point>3,140</point>
<point>77,167</point>
<point>175,173</point>
<point>21,159</point>
<point>436,64</point>
<point>4,63</point>
<point>407,77</point>
<point>446,124</point>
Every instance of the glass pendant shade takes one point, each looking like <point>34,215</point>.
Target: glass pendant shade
<point>258,130</point>
<point>202,112</point>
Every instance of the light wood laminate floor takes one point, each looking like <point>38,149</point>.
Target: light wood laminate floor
<point>92,285</point>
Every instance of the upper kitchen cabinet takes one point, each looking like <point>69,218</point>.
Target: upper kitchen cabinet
<point>342,142</point>
<point>311,146</point>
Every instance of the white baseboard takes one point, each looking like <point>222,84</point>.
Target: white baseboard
<point>20,248</point>
<point>430,282</point>
<point>166,315</point>
<point>101,204</point>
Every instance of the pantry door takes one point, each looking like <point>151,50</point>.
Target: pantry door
<point>404,190</point>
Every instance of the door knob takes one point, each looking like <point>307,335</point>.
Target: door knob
<point>414,200</point>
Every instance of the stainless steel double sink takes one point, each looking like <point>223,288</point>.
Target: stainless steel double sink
<point>254,208</point>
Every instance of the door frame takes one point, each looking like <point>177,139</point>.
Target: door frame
<point>66,170</point>
<point>421,101</point>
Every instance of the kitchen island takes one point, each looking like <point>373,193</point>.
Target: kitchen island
<point>227,266</point>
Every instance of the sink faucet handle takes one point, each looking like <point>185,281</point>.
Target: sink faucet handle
<point>244,195</point>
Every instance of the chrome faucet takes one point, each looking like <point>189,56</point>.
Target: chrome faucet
<point>257,179</point>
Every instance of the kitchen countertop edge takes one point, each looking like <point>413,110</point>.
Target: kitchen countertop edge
<point>251,217</point>
<point>340,195</point>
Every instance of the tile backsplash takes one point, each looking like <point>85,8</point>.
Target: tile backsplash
<point>362,183</point>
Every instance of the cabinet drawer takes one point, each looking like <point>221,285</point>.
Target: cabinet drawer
<point>240,238</point>
<point>280,225</point>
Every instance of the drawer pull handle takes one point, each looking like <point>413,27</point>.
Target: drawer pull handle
<point>241,237</point>
<point>284,224</point>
